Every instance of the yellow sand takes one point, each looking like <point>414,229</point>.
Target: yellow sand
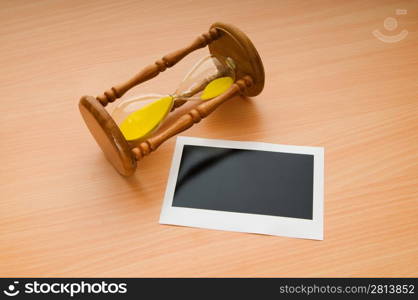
<point>216,87</point>
<point>143,121</point>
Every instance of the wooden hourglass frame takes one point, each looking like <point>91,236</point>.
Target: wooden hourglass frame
<point>225,42</point>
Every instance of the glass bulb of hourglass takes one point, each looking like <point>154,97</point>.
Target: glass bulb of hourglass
<point>208,79</point>
<point>139,117</point>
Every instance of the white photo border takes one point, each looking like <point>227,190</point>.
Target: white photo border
<point>245,222</point>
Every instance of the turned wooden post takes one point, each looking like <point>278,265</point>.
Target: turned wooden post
<point>160,65</point>
<point>187,120</point>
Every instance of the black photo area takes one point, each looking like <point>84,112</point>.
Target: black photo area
<point>245,181</point>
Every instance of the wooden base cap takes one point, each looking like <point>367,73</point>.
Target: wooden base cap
<point>108,135</point>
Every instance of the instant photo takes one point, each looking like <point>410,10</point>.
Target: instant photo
<point>246,186</point>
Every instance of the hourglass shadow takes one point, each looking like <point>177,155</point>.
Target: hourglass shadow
<point>239,116</point>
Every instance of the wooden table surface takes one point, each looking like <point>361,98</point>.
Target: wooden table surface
<point>330,82</point>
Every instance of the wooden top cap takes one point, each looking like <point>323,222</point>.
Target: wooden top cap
<point>235,44</point>
<point>107,135</point>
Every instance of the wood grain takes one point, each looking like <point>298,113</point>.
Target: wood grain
<point>64,211</point>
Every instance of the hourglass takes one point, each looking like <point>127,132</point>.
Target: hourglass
<point>130,131</point>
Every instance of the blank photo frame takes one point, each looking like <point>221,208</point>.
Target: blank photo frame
<point>247,187</point>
